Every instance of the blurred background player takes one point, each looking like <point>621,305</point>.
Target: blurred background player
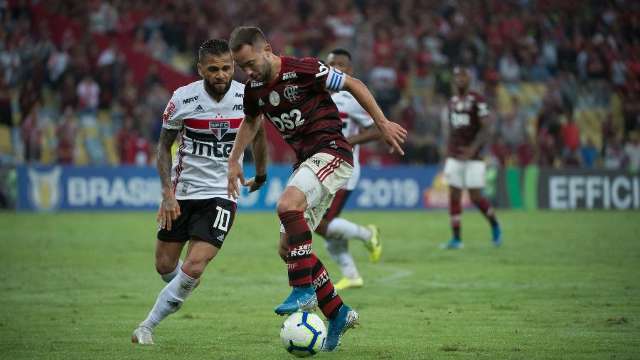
<point>469,131</point>
<point>358,128</point>
<point>294,94</point>
<point>195,206</point>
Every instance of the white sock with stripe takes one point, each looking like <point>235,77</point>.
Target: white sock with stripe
<point>340,227</point>
<point>170,299</point>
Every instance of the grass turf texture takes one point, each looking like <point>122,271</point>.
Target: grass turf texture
<point>563,286</point>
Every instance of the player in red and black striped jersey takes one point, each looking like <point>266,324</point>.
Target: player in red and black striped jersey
<point>468,133</point>
<point>294,95</point>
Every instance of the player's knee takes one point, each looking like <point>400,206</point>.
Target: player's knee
<point>286,205</point>
<point>194,268</point>
<point>165,264</point>
<point>291,200</point>
<point>475,197</point>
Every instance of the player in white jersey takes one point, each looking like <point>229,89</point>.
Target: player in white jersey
<point>195,207</point>
<point>358,128</point>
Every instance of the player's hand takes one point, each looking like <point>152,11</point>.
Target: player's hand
<point>169,211</point>
<point>234,178</point>
<point>467,153</point>
<point>254,184</point>
<point>394,135</point>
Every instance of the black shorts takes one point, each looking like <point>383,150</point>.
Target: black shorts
<point>208,220</point>
<point>337,204</point>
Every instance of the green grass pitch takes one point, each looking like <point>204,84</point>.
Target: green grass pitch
<point>564,286</point>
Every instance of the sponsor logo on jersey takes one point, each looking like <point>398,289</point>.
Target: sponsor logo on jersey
<point>168,112</point>
<point>237,107</point>
<point>256,83</point>
<point>291,93</point>
<point>301,250</point>
<point>239,95</point>
<point>289,75</point>
<point>44,188</point>
<point>219,128</point>
<point>274,98</point>
<point>189,100</point>
<point>199,108</point>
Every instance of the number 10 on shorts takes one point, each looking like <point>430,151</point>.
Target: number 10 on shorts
<point>222,219</point>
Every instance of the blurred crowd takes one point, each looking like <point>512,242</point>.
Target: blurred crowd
<point>562,77</point>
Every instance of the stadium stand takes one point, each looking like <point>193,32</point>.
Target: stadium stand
<point>85,82</point>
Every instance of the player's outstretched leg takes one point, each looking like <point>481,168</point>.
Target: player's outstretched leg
<point>485,207</point>
<point>369,235</point>
<point>338,248</point>
<point>341,317</point>
<point>455,212</point>
<point>173,295</point>
<point>299,251</point>
<point>169,301</point>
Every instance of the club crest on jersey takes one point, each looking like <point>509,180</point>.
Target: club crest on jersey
<point>274,98</point>
<point>219,128</point>
<point>291,93</point>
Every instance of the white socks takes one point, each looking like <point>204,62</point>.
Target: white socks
<point>169,276</point>
<point>341,228</point>
<point>170,299</point>
<point>339,251</point>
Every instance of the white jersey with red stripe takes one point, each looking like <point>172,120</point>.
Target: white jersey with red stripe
<point>207,131</point>
<point>354,118</point>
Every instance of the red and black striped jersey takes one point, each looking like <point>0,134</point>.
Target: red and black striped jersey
<point>298,103</point>
<point>465,113</point>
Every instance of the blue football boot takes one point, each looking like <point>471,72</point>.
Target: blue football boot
<point>346,319</point>
<point>496,235</point>
<point>301,298</point>
<point>454,243</point>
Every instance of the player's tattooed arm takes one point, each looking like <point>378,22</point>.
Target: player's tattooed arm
<point>167,137</point>
<point>392,133</point>
<point>169,209</point>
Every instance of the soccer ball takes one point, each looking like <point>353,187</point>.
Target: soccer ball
<point>303,334</point>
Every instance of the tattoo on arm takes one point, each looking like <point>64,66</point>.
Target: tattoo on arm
<point>167,137</point>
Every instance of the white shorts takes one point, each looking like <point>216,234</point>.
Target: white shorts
<point>465,174</point>
<point>355,177</point>
<point>319,178</point>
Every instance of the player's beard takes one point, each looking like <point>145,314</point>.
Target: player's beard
<point>217,90</point>
<point>266,71</point>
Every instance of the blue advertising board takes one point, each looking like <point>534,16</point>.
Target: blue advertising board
<point>50,188</point>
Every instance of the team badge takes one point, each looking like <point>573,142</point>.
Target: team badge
<point>291,93</point>
<point>44,188</point>
<point>274,98</point>
<point>219,128</point>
